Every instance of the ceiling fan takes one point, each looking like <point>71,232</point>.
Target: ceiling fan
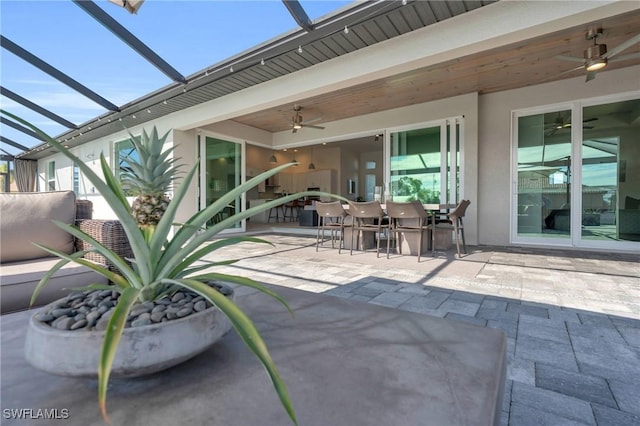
<point>561,122</point>
<point>596,57</point>
<point>297,122</point>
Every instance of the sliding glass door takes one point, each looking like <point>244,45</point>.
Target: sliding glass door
<point>610,191</point>
<point>578,185</point>
<point>221,170</point>
<point>425,163</point>
<point>543,156</point>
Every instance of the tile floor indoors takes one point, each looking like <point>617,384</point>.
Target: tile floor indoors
<point>572,318</point>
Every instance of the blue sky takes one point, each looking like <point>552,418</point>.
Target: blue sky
<point>189,35</point>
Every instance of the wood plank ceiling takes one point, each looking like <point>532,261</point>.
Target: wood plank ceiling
<point>519,65</point>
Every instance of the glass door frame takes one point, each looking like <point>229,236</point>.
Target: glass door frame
<point>455,163</point>
<point>202,193</point>
<point>575,237</point>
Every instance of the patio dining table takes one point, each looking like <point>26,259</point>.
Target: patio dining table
<point>410,242</point>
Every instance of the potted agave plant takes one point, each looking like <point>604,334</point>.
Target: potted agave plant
<point>163,263</point>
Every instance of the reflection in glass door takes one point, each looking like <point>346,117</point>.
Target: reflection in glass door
<point>544,175</point>
<point>221,171</point>
<point>611,172</point>
<point>425,164</point>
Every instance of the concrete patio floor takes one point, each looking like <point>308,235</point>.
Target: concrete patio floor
<point>572,318</point>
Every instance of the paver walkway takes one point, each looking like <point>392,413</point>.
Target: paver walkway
<point>572,319</point>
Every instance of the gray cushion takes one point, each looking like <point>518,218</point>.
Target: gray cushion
<point>26,218</point>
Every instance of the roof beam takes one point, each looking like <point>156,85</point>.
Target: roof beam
<point>12,143</point>
<point>297,11</point>
<point>125,35</point>
<point>37,108</point>
<point>7,157</point>
<point>55,73</point>
<point>20,128</point>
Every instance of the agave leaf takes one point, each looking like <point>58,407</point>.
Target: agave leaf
<point>201,217</point>
<point>207,264</point>
<point>94,286</point>
<point>247,282</point>
<point>117,279</point>
<point>43,281</point>
<point>112,336</point>
<point>163,228</point>
<point>247,332</point>
<point>209,248</point>
<point>173,254</point>
<point>117,261</point>
<point>112,182</point>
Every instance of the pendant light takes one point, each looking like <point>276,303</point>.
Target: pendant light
<point>273,159</point>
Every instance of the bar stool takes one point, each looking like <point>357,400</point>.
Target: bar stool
<point>291,211</point>
<point>274,213</point>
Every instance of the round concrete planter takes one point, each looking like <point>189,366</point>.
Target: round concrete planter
<point>142,350</point>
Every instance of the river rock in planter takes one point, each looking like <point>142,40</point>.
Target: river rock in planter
<point>142,350</point>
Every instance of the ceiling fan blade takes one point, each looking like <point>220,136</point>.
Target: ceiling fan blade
<point>627,57</point>
<point>313,127</point>
<point>622,47</point>
<point>589,119</point>
<point>570,58</point>
<point>313,120</point>
<point>590,76</point>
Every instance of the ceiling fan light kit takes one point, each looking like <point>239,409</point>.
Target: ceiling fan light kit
<point>595,57</point>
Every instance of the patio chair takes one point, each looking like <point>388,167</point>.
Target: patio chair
<point>454,223</point>
<point>409,217</point>
<point>331,216</point>
<point>367,217</point>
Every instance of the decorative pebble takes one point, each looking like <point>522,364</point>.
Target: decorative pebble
<point>92,317</point>
<point>184,312</point>
<point>140,322</point>
<point>158,308</point>
<point>91,310</point>
<point>200,306</point>
<point>46,317</point>
<point>62,323</point>
<point>61,312</point>
<point>78,324</point>
<point>157,316</point>
<point>178,296</point>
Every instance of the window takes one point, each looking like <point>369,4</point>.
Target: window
<point>124,150</point>
<point>415,165</point>
<point>51,176</point>
<point>76,179</point>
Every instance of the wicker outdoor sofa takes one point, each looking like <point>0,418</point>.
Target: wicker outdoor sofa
<point>27,218</point>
